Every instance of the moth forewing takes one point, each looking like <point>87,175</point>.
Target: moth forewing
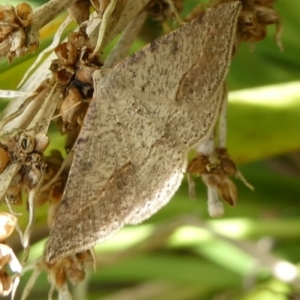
<point>145,115</point>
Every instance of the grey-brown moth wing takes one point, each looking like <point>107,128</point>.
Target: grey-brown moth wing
<point>130,155</point>
<point>113,170</point>
<point>185,101</point>
<point>184,68</point>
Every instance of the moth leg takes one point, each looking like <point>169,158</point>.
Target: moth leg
<point>110,8</point>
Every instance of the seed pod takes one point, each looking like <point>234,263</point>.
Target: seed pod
<point>70,108</point>
<point>26,143</point>
<point>41,142</point>
<point>67,53</point>
<point>24,14</point>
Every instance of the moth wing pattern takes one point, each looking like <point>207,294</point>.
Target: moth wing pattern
<point>113,170</point>
<point>178,77</point>
<point>130,155</point>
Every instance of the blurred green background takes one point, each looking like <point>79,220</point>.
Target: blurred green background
<point>183,254</point>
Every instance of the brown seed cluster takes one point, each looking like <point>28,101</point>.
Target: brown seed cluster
<point>23,148</point>
<point>71,268</point>
<point>215,171</point>
<point>14,24</point>
<point>253,20</point>
<point>73,70</point>
<point>161,10</point>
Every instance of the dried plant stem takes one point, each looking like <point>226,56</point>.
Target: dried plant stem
<point>14,94</point>
<point>110,8</point>
<point>55,42</point>
<point>28,230</point>
<point>222,134</point>
<point>27,110</point>
<point>191,185</point>
<point>130,11</point>
<point>207,146</point>
<point>47,12</point>
<point>42,119</point>
<point>16,114</point>
<point>129,35</point>
<point>6,177</point>
<point>32,280</point>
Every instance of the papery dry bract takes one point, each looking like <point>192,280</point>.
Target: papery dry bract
<point>8,282</point>
<point>80,11</point>
<point>7,225</point>
<point>145,116</point>
<point>215,171</point>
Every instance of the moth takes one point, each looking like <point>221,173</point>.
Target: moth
<point>147,113</point>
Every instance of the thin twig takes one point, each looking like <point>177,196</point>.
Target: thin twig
<point>108,11</point>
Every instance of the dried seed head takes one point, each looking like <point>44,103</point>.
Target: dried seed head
<point>74,70</point>
<point>24,14</point>
<point>71,268</point>
<point>80,11</point>
<point>4,32</point>
<point>215,170</point>
<point>18,42</point>
<point>254,18</point>
<point>228,191</point>
<point>85,73</point>
<point>32,172</point>
<point>15,38</point>
<point>26,143</point>
<point>198,164</point>
<point>78,40</point>
<point>227,164</point>
<point>62,74</point>
<point>7,15</point>
<point>67,53</point>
